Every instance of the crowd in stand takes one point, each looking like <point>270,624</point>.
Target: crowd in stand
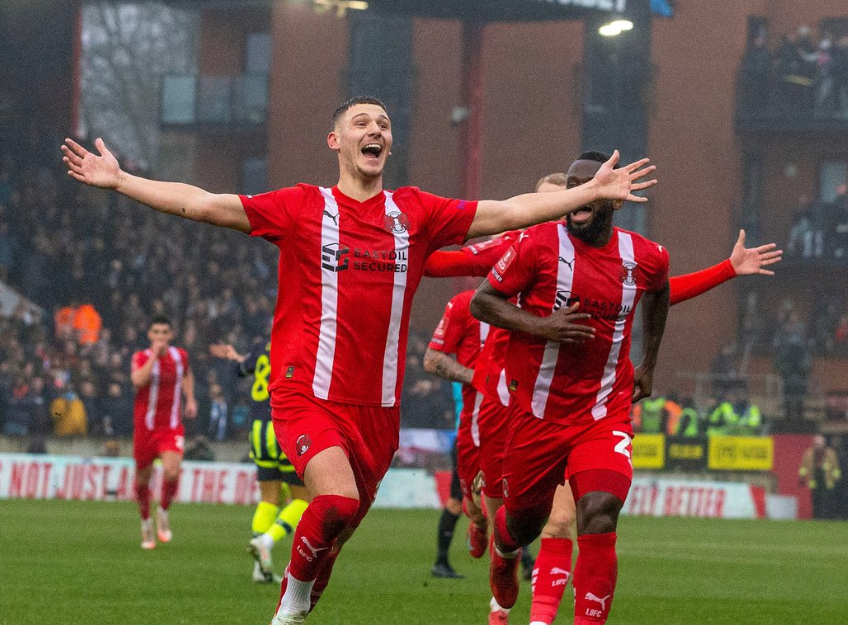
<point>99,267</point>
<point>730,414</point>
<point>820,230</point>
<point>799,74</point>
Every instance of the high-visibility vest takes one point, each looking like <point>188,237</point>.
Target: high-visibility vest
<point>830,468</point>
<point>650,412</point>
<point>87,325</point>
<point>687,423</point>
<point>64,321</point>
<point>673,411</point>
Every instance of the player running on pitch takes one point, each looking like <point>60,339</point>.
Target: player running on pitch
<point>553,565</point>
<point>274,472</point>
<point>568,368</point>
<point>351,258</point>
<point>161,377</point>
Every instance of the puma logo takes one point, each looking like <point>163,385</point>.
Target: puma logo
<point>603,602</point>
<point>331,216</point>
<point>313,549</point>
<point>570,263</point>
<point>559,571</point>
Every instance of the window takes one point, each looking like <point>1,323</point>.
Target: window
<point>257,58</point>
<point>832,175</point>
<point>254,175</point>
<point>757,29</point>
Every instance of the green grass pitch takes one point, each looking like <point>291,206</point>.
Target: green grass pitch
<point>79,563</point>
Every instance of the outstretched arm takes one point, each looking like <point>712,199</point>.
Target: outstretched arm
<point>535,208</point>
<point>172,198</point>
<point>743,261</point>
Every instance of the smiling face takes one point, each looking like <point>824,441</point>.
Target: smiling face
<point>591,223</point>
<point>362,137</point>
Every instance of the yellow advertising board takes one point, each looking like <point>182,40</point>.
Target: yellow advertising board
<point>649,451</point>
<point>741,453</point>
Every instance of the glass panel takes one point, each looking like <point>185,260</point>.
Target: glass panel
<point>254,175</point>
<point>214,99</point>
<point>831,176</point>
<point>258,54</point>
<point>250,99</point>
<point>178,99</point>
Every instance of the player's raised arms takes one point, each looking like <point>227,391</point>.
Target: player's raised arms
<point>173,198</point>
<point>535,208</point>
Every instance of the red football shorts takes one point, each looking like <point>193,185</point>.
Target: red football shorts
<point>368,435</point>
<point>493,431</point>
<point>467,458</point>
<point>539,452</point>
<point>149,444</point>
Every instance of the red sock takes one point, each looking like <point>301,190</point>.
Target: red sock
<point>503,539</point>
<point>325,518</point>
<point>142,496</point>
<point>169,489</point>
<point>595,574</point>
<point>323,577</point>
<point>550,577</point>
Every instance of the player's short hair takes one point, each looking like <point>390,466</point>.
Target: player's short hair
<point>559,179</point>
<point>360,99</point>
<point>160,320</point>
<point>594,155</point>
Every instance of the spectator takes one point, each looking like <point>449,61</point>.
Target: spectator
<point>736,416</point>
<point>755,74</point>
<point>88,397</point>
<point>217,414</point>
<point>793,361</point>
<point>723,369</point>
<point>19,419</point>
<point>115,411</point>
<point>689,423</point>
<point>649,415</point>
<point>87,325</point>
<point>820,472</point>
<point>69,416</point>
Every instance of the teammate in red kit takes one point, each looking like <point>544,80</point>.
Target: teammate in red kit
<point>460,334</point>
<point>569,371</point>
<point>553,565</point>
<point>351,258</point>
<point>161,377</point>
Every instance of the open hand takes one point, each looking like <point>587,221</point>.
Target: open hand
<point>98,171</point>
<point>620,184</point>
<point>562,326</point>
<point>750,261</point>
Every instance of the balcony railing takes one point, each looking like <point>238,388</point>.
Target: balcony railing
<point>214,102</point>
<point>770,102</point>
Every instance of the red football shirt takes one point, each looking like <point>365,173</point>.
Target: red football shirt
<point>547,269</point>
<point>347,274</point>
<point>158,405</point>
<point>460,333</point>
<point>490,374</point>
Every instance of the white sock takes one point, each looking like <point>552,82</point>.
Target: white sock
<point>296,598</point>
<point>267,541</point>
<point>494,607</point>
